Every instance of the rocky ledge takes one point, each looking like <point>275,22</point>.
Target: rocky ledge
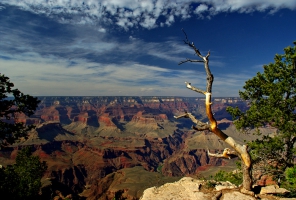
<point>189,188</point>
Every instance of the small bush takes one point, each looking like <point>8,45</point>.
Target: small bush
<point>291,175</point>
<point>210,184</point>
<point>159,168</point>
<point>290,181</point>
<point>235,178</point>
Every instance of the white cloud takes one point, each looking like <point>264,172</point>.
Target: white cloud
<point>2,8</point>
<point>170,20</point>
<point>102,30</point>
<point>200,9</point>
<point>144,13</point>
<point>98,47</point>
<point>149,22</point>
<point>132,38</point>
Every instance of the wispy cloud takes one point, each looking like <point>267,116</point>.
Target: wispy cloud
<point>145,13</point>
<point>69,42</point>
<point>50,75</point>
<point>230,84</point>
<point>55,77</point>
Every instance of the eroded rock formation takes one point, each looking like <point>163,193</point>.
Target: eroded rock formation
<point>86,139</point>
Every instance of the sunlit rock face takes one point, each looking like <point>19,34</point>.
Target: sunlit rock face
<point>123,109</point>
<point>84,139</point>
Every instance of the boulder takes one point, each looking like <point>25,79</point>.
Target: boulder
<point>236,195</point>
<point>184,189</point>
<point>224,185</point>
<point>273,189</point>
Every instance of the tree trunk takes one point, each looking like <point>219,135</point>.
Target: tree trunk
<point>247,178</point>
<point>240,149</point>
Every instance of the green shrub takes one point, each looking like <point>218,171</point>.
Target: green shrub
<point>290,181</point>
<point>291,175</point>
<point>159,168</point>
<point>235,178</point>
<point>210,184</point>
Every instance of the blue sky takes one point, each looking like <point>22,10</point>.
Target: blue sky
<point>133,47</point>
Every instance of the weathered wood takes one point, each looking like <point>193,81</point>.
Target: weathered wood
<point>200,126</point>
<point>227,153</point>
<point>239,150</point>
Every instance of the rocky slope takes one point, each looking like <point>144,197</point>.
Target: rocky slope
<point>85,140</point>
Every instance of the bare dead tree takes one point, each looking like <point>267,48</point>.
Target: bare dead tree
<point>239,150</point>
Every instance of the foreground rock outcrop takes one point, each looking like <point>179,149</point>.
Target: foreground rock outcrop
<point>188,188</point>
<point>192,189</point>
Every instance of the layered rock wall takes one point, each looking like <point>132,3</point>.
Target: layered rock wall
<point>83,139</point>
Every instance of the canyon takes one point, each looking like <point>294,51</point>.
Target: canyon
<point>106,147</point>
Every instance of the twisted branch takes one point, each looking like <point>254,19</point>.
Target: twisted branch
<point>200,126</point>
<point>189,60</point>
<point>227,153</point>
<point>191,44</point>
<point>189,86</point>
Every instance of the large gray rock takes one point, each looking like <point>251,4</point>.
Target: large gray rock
<point>185,189</point>
<point>236,196</point>
<point>273,189</point>
<point>224,185</point>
